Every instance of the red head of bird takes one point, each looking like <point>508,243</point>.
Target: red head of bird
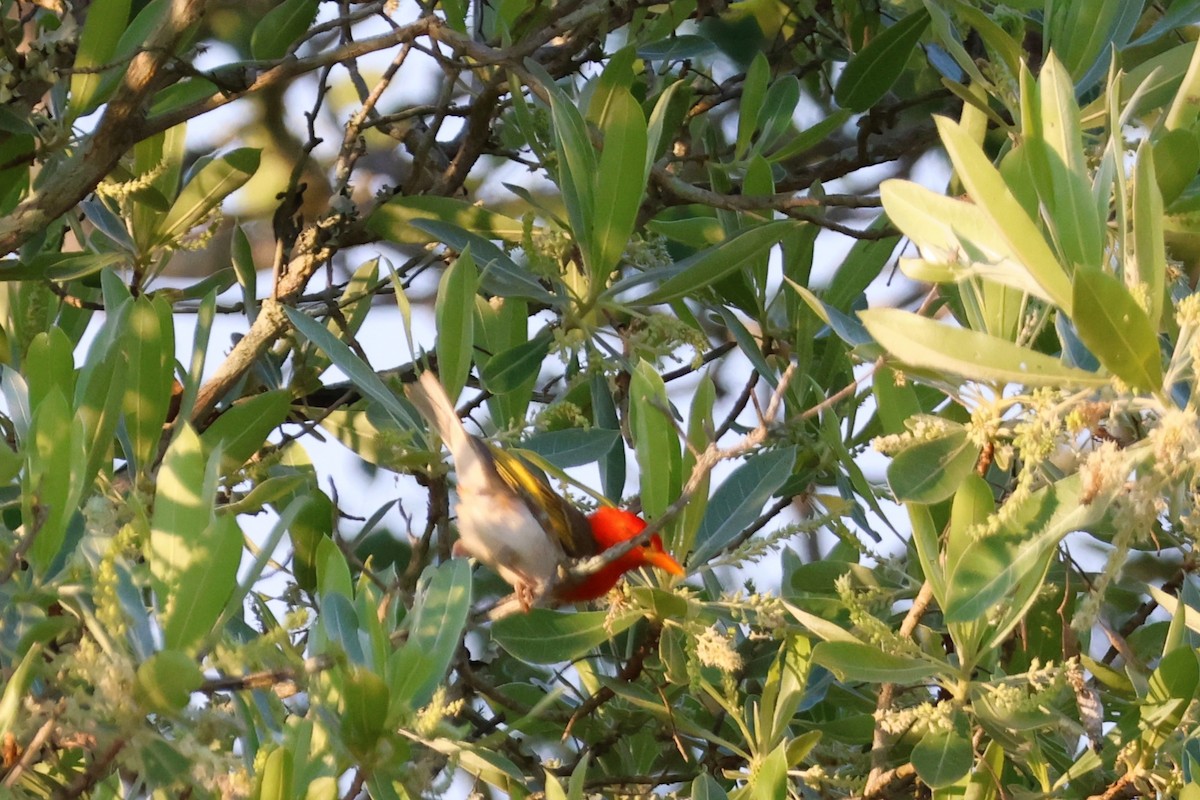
<point>610,527</point>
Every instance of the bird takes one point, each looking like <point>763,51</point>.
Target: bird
<point>510,519</point>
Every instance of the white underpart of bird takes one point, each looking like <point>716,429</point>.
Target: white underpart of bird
<point>494,524</point>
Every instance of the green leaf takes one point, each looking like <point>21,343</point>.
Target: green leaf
<point>166,681</point>
<point>280,28</point>
<point>312,525</point>
<point>946,228</point>
<point>810,137</point>
<point>360,374</point>
<point>677,48</point>
<point>150,347</point>
<point>852,661</point>
<point>1149,250</point>
<point>941,758</point>
<point>927,344</point>
<point>275,779</point>
<point>180,508</point>
<point>549,637</point>
<point>738,501</point>
<point>1014,560</point>
<point>654,440</point>
<point>775,120</point>
<point>193,554</point>
<point>619,183</point>
<point>987,188</point>
<point>242,429</point>
<point>927,544</point>
<point>576,169</point>
<point>1176,162</point>
<point>1116,329</point>
<point>102,30</point>
<point>711,265</point>
<point>393,220</point>
<point>771,778</point>
<point>49,366</point>
<point>754,90</point>
<point>498,274</point>
<point>895,400</point>
<point>16,688</point>
<point>511,369</point>
<point>931,471</point>
<point>456,322</point>
<point>365,701</point>
<point>705,787</point>
<point>52,487</point>
<point>206,190</point>
<point>435,628</point>
<point>574,447</point>
<point>1171,689</point>
<point>874,69</point>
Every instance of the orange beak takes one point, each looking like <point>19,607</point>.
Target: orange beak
<point>655,556</point>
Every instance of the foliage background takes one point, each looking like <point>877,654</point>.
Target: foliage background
<point>618,214</point>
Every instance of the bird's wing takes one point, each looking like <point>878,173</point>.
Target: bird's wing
<point>555,514</point>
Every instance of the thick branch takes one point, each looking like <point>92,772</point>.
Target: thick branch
<point>118,130</point>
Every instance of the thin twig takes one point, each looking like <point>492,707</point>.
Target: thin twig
<point>879,778</point>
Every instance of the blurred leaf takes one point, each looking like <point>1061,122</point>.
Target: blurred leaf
<point>739,500</point>
<point>1083,33</point>
<point>204,584</point>
<point>312,525</point>
<point>50,366</point>
<point>941,758</point>
<point>1155,80</point>
<point>931,471</point>
<point>150,348</point>
<point>275,779</point>
<point>754,92</point>
<point>206,190</point>
<point>874,69</point>
<point>576,168</point>
<point>507,371</point>
<point>549,637</point>
<point>924,343</point>
<point>677,48</point>
<point>574,447</point>
<point>393,220</point>
<point>498,274</point>
<point>1116,329</point>
<point>456,322</point>
<point>771,777</point>
<point>102,30</point>
<point>1149,251</point>
<point>809,138</point>
<point>52,481</point>
<point>620,182</point>
<point>987,188</point>
<point>17,687</point>
<point>654,440</point>
<point>166,681</point>
<point>775,120</point>
<point>333,573</point>
<point>281,27</point>
<point>705,787</point>
<point>851,661</point>
<point>356,369</point>
<point>365,700</point>
<point>435,629</point>
<point>710,265</point>
<point>242,429</point>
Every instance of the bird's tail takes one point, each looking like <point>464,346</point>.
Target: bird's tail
<point>472,461</point>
